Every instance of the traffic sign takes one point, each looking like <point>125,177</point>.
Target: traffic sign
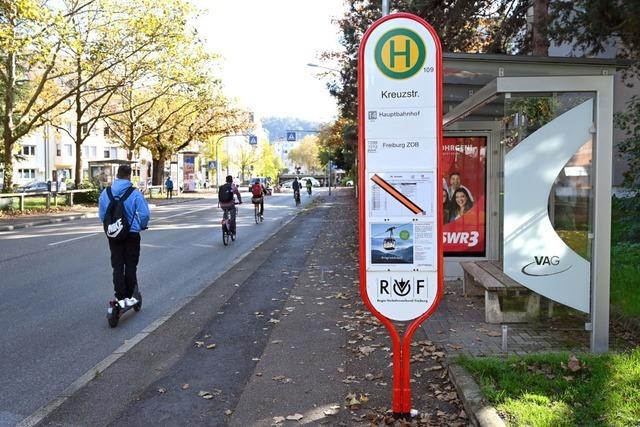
<point>212,164</point>
<point>253,140</point>
<point>291,136</point>
<point>400,133</point>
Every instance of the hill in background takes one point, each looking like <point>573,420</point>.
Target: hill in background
<point>278,127</point>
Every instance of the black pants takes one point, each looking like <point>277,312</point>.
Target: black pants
<point>261,203</point>
<point>124,261</point>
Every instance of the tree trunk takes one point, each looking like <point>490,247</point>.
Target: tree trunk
<point>540,21</point>
<point>158,171</point>
<point>7,121</point>
<point>79,137</point>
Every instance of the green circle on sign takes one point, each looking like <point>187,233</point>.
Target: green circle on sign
<point>404,235</point>
<point>390,58</point>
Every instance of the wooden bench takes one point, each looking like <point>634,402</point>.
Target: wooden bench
<point>488,278</point>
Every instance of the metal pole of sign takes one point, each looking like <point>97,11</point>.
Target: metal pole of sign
<point>385,7</point>
<point>329,173</point>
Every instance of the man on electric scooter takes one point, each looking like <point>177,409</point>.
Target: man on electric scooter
<point>296,189</point>
<point>124,244</point>
<point>225,199</point>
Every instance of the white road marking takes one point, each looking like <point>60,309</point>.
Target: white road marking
<point>184,213</point>
<point>71,240</point>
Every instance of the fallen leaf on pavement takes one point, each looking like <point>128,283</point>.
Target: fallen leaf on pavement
<point>185,386</point>
<point>199,344</point>
<point>278,420</point>
<point>295,417</point>
<point>228,412</point>
<point>205,395</point>
<point>210,346</point>
<point>494,333</point>
<point>162,390</point>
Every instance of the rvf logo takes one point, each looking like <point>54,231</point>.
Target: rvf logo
<point>401,287</point>
<point>400,53</point>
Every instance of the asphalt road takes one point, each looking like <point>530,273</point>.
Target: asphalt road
<point>55,282</point>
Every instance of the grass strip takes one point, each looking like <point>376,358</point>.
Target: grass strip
<point>560,390</point>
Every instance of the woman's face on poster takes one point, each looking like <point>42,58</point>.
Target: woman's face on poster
<point>461,199</point>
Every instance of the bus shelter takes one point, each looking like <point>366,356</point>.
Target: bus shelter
<point>527,171</point>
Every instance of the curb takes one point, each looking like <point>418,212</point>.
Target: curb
<point>480,414</point>
<point>47,221</point>
<point>41,413</point>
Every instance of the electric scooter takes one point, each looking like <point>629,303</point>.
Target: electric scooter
<point>114,312</point>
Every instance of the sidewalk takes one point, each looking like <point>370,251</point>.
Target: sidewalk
<point>14,222</point>
<point>283,339</point>
<point>292,340</point>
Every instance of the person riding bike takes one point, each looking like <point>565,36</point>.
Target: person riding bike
<point>296,189</point>
<point>226,201</point>
<point>309,185</point>
<point>257,192</point>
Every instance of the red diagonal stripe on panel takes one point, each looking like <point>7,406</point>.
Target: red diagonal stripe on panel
<point>404,200</point>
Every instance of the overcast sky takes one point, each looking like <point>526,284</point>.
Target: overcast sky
<point>266,45</point>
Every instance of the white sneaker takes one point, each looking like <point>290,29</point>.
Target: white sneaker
<point>122,303</point>
<point>130,301</point>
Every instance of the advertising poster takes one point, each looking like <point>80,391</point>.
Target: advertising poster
<point>464,169</point>
<point>392,243</point>
<point>189,175</point>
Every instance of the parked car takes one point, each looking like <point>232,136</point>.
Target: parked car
<point>314,182</point>
<point>34,187</point>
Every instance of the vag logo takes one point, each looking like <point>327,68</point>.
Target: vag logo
<point>400,53</point>
<point>542,261</point>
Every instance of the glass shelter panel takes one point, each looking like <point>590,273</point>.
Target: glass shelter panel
<point>547,194</point>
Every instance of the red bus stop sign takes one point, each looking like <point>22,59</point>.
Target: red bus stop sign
<point>400,133</point>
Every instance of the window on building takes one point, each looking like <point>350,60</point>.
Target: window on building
<point>85,151</point>
<point>85,129</point>
<point>107,153</point>
<point>28,150</point>
<point>58,150</point>
<point>68,150</point>
<point>93,151</point>
<point>114,153</point>
<point>107,131</point>
<point>27,173</point>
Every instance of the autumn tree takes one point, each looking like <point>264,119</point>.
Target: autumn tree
<point>109,44</point>
<point>31,64</point>
<point>591,27</point>
<point>157,98</point>
<point>267,163</point>
<point>306,154</point>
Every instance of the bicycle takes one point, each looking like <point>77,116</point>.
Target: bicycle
<point>296,196</point>
<point>226,227</point>
<point>256,209</point>
<point>309,191</point>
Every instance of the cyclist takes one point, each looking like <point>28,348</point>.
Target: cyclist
<point>226,202</point>
<point>309,185</point>
<point>296,189</point>
<point>257,192</point>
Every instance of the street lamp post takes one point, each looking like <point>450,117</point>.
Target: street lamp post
<point>322,66</point>
<point>385,7</point>
<point>218,160</point>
